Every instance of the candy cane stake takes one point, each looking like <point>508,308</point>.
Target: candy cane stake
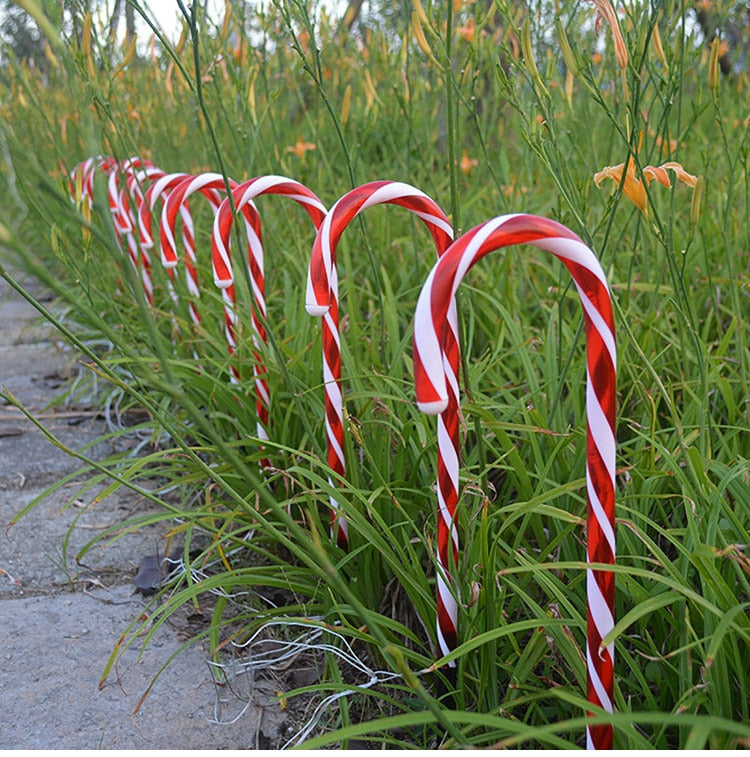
<point>322,300</point>
<point>145,201</point>
<point>160,189</point>
<point>82,187</point>
<point>136,177</point>
<point>433,396</point>
<point>87,170</point>
<point>242,195</point>
<point>211,185</point>
<point>124,221</point>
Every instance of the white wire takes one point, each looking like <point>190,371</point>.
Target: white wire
<point>286,650</point>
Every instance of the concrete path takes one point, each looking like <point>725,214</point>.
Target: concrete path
<point>59,621</point>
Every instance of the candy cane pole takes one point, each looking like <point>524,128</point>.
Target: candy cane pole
<point>87,170</point>
<point>242,195</point>
<point>124,220</point>
<point>161,189</point>
<point>138,173</point>
<point>211,185</point>
<point>84,186</point>
<point>601,364</point>
<point>322,300</point>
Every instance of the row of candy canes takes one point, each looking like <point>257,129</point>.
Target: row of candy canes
<point>436,350</point>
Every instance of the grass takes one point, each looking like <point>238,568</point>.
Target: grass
<point>486,118</point>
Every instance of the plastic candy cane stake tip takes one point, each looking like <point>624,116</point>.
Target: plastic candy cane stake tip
<point>316,310</point>
<point>433,408</point>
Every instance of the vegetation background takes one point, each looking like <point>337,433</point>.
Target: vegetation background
<point>489,107</point>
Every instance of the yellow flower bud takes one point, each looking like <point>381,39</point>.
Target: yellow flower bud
<point>5,235</point>
<point>713,66</point>
<point>86,35</point>
<point>54,239</point>
<point>528,56</point>
<point>49,55</point>
<point>568,55</point>
<point>345,105</point>
<point>250,95</point>
<point>420,11</point>
<point>695,203</point>
<point>86,44</point>
<point>569,87</point>
<point>181,41</point>
<point>227,19</point>
<point>86,213</point>
<point>371,93</point>
<point>128,57</point>
<point>658,49</point>
<point>419,35</point>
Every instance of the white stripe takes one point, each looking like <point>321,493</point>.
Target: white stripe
<point>600,325</point>
<point>601,431</point>
<point>265,183</point>
<point>223,252</point>
<point>601,694</point>
<point>600,612</point>
<point>579,253</point>
<point>334,443</point>
<point>448,452</point>
<point>435,221</point>
<point>262,391</point>
<point>599,514</point>
<point>472,248</point>
<point>394,190</point>
<point>428,346</point>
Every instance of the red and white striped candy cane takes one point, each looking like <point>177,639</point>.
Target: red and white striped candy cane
<point>161,189</point>
<point>124,220</point>
<point>132,193</point>
<point>322,300</point>
<point>601,361</point>
<point>213,186</point>
<point>242,195</point>
<point>87,170</point>
<point>162,186</point>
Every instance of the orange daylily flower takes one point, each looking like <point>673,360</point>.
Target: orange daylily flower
<point>660,174</point>
<point>607,12</point>
<point>467,163</point>
<point>634,188</point>
<point>301,148</point>
<point>514,189</point>
<point>467,31</point>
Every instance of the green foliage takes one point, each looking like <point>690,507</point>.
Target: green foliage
<point>478,109</point>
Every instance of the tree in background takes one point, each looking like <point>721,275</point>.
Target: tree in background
<point>20,38</point>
